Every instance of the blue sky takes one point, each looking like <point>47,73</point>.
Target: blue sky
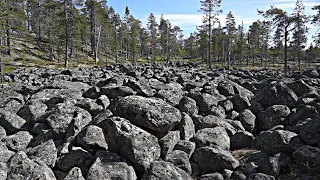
<point>184,13</point>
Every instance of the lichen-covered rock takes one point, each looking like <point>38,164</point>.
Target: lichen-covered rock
<point>154,114</point>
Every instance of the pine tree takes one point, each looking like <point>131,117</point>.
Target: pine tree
<point>211,10</point>
<point>300,32</point>
<point>283,20</point>
<point>231,28</point>
<point>152,27</point>
<point>316,21</point>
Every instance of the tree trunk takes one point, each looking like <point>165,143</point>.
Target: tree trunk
<point>67,34</point>
<point>286,49</point>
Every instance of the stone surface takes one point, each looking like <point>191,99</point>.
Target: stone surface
<point>217,136</point>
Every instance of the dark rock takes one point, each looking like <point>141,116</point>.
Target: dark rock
<point>180,159</point>
<point>212,176</point>
<point>136,145</point>
<point>240,103</point>
<point>168,142</point>
<point>309,133</point>
<point>260,176</point>
<point>247,119</point>
<point>219,159</point>
<point>161,170</point>
<point>141,87</point>
<point>273,142</point>
<point>47,152</point>
<point>77,157</point>
<point>272,116</point>
<point>238,175</point>
<point>153,114</point>
<point>92,139</point>
<point>103,101</point>
<point>171,96</point>
<point>227,105</point>
<point>90,105</point>
<point>93,93</point>
<point>217,136</point>
<point>74,174</point>
<point>114,92</point>
<point>281,95</point>
<point>265,164</point>
<point>32,110</point>
<point>226,89</point>
<point>186,127</point>
<point>21,167</point>
<point>188,106</point>
<point>204,101</point>
<point>186,146</point>
<point>242,140</point>
<point>307,154</point>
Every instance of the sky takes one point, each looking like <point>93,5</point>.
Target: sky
<point>184,13</point>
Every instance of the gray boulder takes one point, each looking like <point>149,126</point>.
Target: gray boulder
<point>103,101</point>
<point>226,89</point>
<point>32,110</point>
<point>240,102</point>
<point>161,170</point>
<point>12,122</point>
<point>105,170</point>
<point>204,101</point>
<point>21,167</point>
<point>3,170</point>
<point>168,142</point>
<point>273,142</point>
<point>47,152</point>
<point>90,105</point>
<point>188,106</point>
<point>212,176</point>
<point>154,114</point>
<point>76,157</point>
<point>186,127</point>
<point>186,146</point>
<point>18,141</point>
<point>281,95</point>
<point>134,144</point>
<point>5,153</point>
<point>180,159</point>
<point>272,116</point>
<point>219,159</point>
<point>260,176</point>
<point>217,136</point>
<point>171,96</point>
<point>265,164</point>
<point>248,120</point>
<point>92,139</point>
<point>309,132</point>
<point>74,174</point>
<point>307,154</point>
<point>114,92</point>
<point>242,139</point>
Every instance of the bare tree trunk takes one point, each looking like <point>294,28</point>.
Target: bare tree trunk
<point>97,45</point>
<point>67,34</point>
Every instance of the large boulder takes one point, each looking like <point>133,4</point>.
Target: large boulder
<point>168,142</point>
<point>248,120</point>
<point>219,159</point>
<point>139,147</point>
<point>273,142</point>
<point>204,101</point>
<point>188,105</point>
<point>153,114</point>
<point>217,136</point>
<point>180,159</point>
<point>12,122</point>
<point>307,154</point>
<point>21,167</point>
<point>74,174</point>
<point>46,151</point>
<point>281,95</point>
<point>186,127</point>
<point>92,139</point>
<point>18,141</point>
<point>272,116</point>
<point>309,132</point>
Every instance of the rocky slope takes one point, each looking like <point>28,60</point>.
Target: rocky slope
<point>159,122</point>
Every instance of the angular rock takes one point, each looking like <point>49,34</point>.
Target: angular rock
<point>219,159</point>
<point>212,176</point>
<point>226,89</point>
<point>3,170</point>
<point>240,103</point>
<point>281,95</point>
<point>161,170</point>
<point>186,127</point>
<point>258,176</point>
<point>77,157</point>
<point>188,106</point>
<point>114,92</point>
<point>134,144</point>
<point>242,139</point>
<point>5,154</point>
<point>92,139</point>
<point>18,141</point>
<point>272,116</point>
<point>168,142</point>
<point>153,114</point>
<point>217,136</point>
<point>204,101</point>
<point>47,152</point>
<point>247,119</point>
<point>273,142</point>
<point>12,122</point>
<point>309,132</point>
<point>186,146</point>
<point>103,101</point>
<point>105,170</point>
<point>32,110</point>
<point>307,154</point>
<point>180,159</point>
<point>265,164</point>
<point>21,167</point>
<point>93,93</point>
<point>74,174</point>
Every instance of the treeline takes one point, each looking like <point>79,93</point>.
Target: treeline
<point>70,27</point>
<point>281,36</point>
<point>91,26</point>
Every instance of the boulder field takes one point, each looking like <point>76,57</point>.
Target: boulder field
<point>163,121</point>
